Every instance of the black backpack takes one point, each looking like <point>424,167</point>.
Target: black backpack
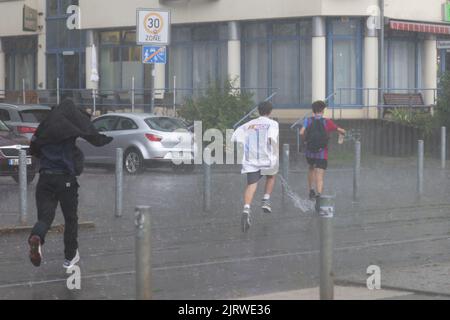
<point>316,136</point>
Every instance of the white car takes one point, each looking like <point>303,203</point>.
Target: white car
<point>146,139</point>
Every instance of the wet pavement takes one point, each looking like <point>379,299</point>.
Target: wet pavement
<point>199,255</point>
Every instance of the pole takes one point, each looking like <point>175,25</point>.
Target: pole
<point>443,146</point>
<point>152,104</point>
<point>58,97</point>
<point>206,183</point>
<point>174,95</point>
<point>132,94</point>
<point>94,101</point>
<point>420,154</point>
<point>326,258</point>
<point>119,182</point>
<point>285,167</point>
<point>23,92</point>
<point>298,140</point>
<point>356,171</point>
<point>143,253</point>
<point>381,64</point>
<point>23,185</point>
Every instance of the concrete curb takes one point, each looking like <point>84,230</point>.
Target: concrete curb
<point>56,228</point>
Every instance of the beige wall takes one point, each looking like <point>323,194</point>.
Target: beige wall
<point>11,16</point>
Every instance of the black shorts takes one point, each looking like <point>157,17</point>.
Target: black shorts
<point>254,177</point>
<point>318,163</point>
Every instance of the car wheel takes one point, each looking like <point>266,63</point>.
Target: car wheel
<point>133,162</point>
<point>30,178</point>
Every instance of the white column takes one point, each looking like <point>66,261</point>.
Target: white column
<point>90,40</point>
<point>371,72</point>
<point>160,80</point>
<point>41,67</point>
<point>2,71</point>
<point>429,68</point>
<point>234,53</point>
<point>319,60</point>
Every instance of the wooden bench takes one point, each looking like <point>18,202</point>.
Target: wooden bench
<point>403,100</point>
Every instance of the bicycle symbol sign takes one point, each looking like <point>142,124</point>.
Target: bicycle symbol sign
<point>153,27</point>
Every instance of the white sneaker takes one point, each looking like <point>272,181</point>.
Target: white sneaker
<point>70,263</point>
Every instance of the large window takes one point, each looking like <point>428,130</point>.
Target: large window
<point>65,48</point>
<point>402,61</point>
<point>345,60</point>
<point>197,57</point>
<point>277,57</point>
<point>120,60</point>
<point>20,55</point>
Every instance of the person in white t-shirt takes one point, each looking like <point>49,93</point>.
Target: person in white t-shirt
<point>260,158</point>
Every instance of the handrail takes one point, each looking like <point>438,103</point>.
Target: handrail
<point>253,110</point>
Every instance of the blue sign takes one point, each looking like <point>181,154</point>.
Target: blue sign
<point>152,54</point>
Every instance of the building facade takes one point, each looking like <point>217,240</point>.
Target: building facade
<point>304,50</point>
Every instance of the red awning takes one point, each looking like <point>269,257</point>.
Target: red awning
<point>419,27</point>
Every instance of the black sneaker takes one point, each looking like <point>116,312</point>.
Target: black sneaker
<point>312,194</point>
<point>317,206</point>
<point>265,205</point>
<point>246,220</point>
<point>35,250</point>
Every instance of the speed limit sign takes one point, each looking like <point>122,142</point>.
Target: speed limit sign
<point>153,27</point>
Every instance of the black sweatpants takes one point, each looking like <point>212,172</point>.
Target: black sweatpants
<point>51,190</point>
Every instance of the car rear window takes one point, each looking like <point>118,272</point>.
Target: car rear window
<point>165,124</point>
<point>3,126</point>
<point>34,116</point>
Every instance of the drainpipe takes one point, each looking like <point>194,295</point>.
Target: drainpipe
<point>381,62</point>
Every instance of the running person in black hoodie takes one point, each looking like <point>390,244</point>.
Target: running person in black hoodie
<point>60,163</point>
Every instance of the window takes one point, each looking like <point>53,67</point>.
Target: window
<point>402,58</point>
<point>345,51</point>
<point>4,115</point>
<point>198,57</point>
<point>165,124</point>
<point>105,123</point>
<point>34,116</point>
<point>126,124</point>
<point>20,56</point>
<point>120,60</point>
<point>277,57</point>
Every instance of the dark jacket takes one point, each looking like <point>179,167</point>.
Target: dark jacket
<point>67,122</point>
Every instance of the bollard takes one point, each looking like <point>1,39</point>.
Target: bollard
<point>143,253</point>
<point>443,146</point>
<point>58,95</point>
<point>326,215</point>
<point>119,182</point>
<point>420,152</point>
<point>356,171</point>
<point>94,102</point>
<point>24,99</point>
<point>132,94</point>
<point>285,168</point>
<point>23,186</point>
<point>206,183</point>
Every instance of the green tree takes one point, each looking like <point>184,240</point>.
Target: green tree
<point>443,101</point>
<point>219,107</point>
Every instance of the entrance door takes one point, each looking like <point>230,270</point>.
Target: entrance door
<point>71,71</point>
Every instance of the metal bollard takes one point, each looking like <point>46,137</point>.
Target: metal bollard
<point>23,186</point>
<point>326,216</point>
<point>356,171</point>
<point>143,253</point>
<point>206,184</point>
<point>285,167</point>
<point>119,182</point>
<point>420,154</point>
<point>443,146</point>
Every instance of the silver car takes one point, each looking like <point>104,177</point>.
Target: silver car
<point>146,139</point>
<point>23,119</point>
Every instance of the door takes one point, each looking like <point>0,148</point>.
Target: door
<point>71,74</point>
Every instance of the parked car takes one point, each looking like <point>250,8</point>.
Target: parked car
<point>23,119</point>
<point>146,139</point>
<point>10,144</point>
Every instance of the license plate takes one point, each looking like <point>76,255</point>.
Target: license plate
<point>15,162</point>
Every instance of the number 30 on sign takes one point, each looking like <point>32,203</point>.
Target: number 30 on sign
<point>153,27</point>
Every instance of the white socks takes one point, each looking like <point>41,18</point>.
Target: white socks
<point>247,206</point>
<point>266,196</point>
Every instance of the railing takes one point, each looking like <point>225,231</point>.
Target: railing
<point>253,110</point>
<point>164,101</point>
